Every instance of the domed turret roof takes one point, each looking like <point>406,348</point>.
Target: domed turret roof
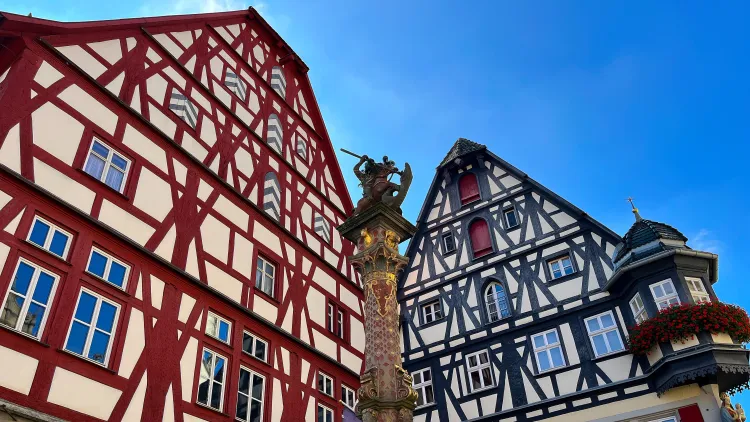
<point>646,238</point>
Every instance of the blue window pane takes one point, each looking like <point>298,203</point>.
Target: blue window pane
<point>544,363</point>
<point>223,331</point>
<point>557,358</point>
<point>23,278</point>
<point>119,162</point>
<point>114,178</point>
<point>100,149</point>
<point>614,341</point>
<point>33,321</point>
<point>97,264</point>
<point>552,337</point>
<point>58,244</point>
<point>219,370</point>
<point>106,317</point>
<point>538,341</point>
<point>39,233</point>
<point>85,309</point>
<point>600,345</point>
<point>607,321</point>
<point>668,288</point>
<point>43,288</point>
<point>593,325</point>
<point>77,338</point>
<point>98,349</point>
<point>117,274</point>
<point>94,166</point>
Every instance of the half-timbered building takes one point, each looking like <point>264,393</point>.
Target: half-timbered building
<point>168,198</point>
<point>515,307</point>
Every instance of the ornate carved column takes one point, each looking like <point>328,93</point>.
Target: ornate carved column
<point>386,393</point>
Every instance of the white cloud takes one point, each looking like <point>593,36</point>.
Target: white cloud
<point>705,241</point>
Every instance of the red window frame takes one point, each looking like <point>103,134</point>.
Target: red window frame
<point>468,188</point>
<point>479,233</point>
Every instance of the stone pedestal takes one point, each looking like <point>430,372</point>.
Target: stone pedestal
<point>386,393</point>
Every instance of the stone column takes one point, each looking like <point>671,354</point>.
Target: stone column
<point>386,393</point>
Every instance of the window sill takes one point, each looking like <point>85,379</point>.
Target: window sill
<point>207,407</point>
<point>57,257</point>
<point>563,278</point>
<point>469,201</point>
<point>24,335</point>
<point>481,390</point>
<point>91,361</point>
<point>255,359</point>
<point>109,188</point>
<point>610,355</point>
<point>431,323</point>
<point>108,283</point>
<point>512,228</point>
<point>266,296</point>
<point>482,254</point>
<point>553,371</point>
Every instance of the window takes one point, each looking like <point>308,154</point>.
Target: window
<point>211,381</point>
<point>348,396</point>
<point>497,302</point>
<point>697,290</point>
<point>639,311</point>
<point>107,165</point>
<point>480,238</point>
<point>28,299</point>
<point>480,371</point>
<point>218,327</point>
<point>108,268</point>
<point>603,334</point>
<point>431,312</point>
<point>664,294</point>
<point>340,324</point>
<point>468,187</point>
<point>183,108</point>
<point>93,327</point>
<point>324,414</point>
<point>275,135</point>
<point>236,85</point>
<point>265,276</point>
<point>325,384</point>
<point>511,219</point>
<point>423,386</point>
<point>254,346</point>
<point>449,243</point>
<point>301,147</point>
<point>336,320</point>
<point>49,237</point>
<point>250,396</point>
<point>561,267</point>
<point>548,351</point>
<point>322,227</point>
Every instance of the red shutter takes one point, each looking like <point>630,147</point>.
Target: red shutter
<point>690,413</point>
<point>480,238</point>
<point>468,188</point>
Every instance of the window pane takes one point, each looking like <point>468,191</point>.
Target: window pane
<point>95,166</point>
<point>552,337</point>
<point>205,380</point>
<point>97,264</point>
<point>557,358</point>
<point>607,320</point>
<point>257,387</point>
<point>420,399</point>
<point>106,317</point>
<point>43,288</point>
<point>599,345</point>
<point>33,321</point>
<point>614,340</point>
<point>117,274</point>
<point>58,244</point>
<point>119,162</point>
<point>418,378</point>
<point>12,309</point>
<point>538,341</point>
<point>211,324</point>
<point>98,349</point>
<point>427,375</point>
<point>244,382</point>
<point>219,370</point>
<point>114,178</point>
<point>85,309</point>
<point>543,359</point>
<point>483,358</point>
<point>668,289</point>
<point>247,343</point>
<point>39,233</point>
<point>23,278</point>
<point>593,325</point>
<point>77,338</point>
<point>255,411</point>
<point>242,406</point>
<point>100,149</point>
<point>216,396</point>
<point>472,361</point>
<point>487,376</point>
<point>429,394</point>
<point>658,291</point>
<point>260,350</point>
<point>475,382</point>
<point>223,331</point>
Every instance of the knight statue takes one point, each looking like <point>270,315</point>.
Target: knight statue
<point>376,184</point>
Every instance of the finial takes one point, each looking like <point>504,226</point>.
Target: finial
<point>635,210</point>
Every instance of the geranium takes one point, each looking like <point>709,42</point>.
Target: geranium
<point>683,322</point>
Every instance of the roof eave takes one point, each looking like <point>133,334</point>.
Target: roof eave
<point>713,270</point>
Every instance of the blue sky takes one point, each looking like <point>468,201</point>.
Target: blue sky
<point>595,100</point>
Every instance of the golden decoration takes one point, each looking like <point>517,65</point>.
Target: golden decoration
<point>391,239</point>
<point>366,237</point>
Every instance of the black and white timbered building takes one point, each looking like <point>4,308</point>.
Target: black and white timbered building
<point>515,307</point>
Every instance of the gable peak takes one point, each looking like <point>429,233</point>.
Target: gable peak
<point>462,147</point>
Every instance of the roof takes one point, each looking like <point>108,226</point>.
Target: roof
<point>644,232</point>
<point>462,147</point>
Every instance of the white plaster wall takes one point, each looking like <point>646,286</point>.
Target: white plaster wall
<point>17,370</point>
<point>64,187</point>
<point>135,340</point>
<point>125,222</point>
<point>56,132</point>
<point>74,391</point>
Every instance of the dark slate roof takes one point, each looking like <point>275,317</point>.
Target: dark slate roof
<point>644,232</point>
<point>462,147</point>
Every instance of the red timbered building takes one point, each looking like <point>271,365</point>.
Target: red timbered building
<point>168,198</point>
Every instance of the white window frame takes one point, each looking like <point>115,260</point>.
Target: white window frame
<point>108,267</point>
<point>92,326</point>
<point>250,397</point>
<point>422,387</point>
<point>496,302</point>
<point>347,393</point>
<point>256,339</point>
<point>340,321</point>
<point>327,413</point>
<point>639,311</point>
<point>546,350</point>
<point>560,260</point>
<point>50,234</point>
<point>505,217</point>
<point>698,290</point>
<point>330,312</point>
<point>445,247</point>
<point>433,310</point>
<point>663,302</point>
<point>478,368</point>
<point>211,380</point>
<point>325,378</point>
<point>219,319</point>
<point>266,262</point>
<point>108,164</point>
<point>28,298</point>
<point>603,332</point>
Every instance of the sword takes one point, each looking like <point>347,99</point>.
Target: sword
<point>350,153</point>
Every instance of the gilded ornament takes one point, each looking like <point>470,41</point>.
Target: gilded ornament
<point>366,237</point>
